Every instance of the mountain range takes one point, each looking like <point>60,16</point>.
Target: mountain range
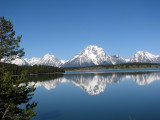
<point>91,55</point>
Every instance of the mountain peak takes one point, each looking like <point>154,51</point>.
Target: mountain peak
<point>143,52</point>
<point>48,55</point>
<point>145,57</point>
<point>92,51</point>
<point>91,55</point>
<point>32,61</point>
<point>49,60</point>
<point>116,55</point>
<point>93,48</point>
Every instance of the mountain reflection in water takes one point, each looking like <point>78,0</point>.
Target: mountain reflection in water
<point>96,83</point>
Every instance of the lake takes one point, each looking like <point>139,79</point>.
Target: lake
<point>98,95</point>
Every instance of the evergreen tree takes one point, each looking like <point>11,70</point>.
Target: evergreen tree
<point>9,45</point>
<point>14,94</point>
<point>14,98</point>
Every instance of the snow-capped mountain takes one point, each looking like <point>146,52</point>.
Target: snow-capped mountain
<point>92,55</point>
<point>117,59</point>
<point>49,60</point>
<point>32,61</point>
<point>158,59</point>
<point>62,62</point>
<point>19,61</point>
<point>145,57</point>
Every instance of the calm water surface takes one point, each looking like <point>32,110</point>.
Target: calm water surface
<point>98,96</point>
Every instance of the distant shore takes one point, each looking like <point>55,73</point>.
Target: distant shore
<point>114,67</point>
<point>110,69</point>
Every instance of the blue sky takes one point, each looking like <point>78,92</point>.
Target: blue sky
<point>65,27</point>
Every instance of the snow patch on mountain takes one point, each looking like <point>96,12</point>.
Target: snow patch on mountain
<point>63,62</point>
<point>116,59</point>
<point>32,61</point>
<point>127,60</point>
<point>19,61</point>
<point>145,57</point>
<point>49,60</point>
<point>91,55</point>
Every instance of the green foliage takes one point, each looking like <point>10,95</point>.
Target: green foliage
<point>119,66</point>
<point>41,69</point>
<point>13,95</point>
<point>9,45</point>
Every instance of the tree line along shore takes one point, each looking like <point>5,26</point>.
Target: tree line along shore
<point>42,69</point>
<point>114,67</point>
<point>28,70</point>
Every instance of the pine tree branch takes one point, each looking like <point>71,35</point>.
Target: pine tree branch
<point>7,109</point>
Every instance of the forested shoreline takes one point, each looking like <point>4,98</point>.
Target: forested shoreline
<point>28,70</point>
<point>114,67</point>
